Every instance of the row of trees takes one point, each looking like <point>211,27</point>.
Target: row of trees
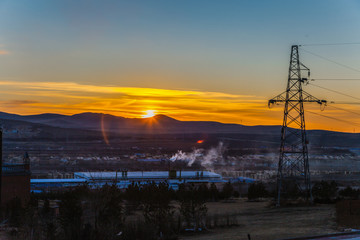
<point>151,211</point>
<point>329,191</point>
<point>323,191</point>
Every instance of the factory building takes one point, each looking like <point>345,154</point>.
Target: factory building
<point>15,182</point>
<point>148,175</point>
<point>125,178</point>
<point>14,179</point>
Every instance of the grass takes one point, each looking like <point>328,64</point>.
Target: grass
<point>263,222</point>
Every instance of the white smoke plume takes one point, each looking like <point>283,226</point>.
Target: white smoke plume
<point>207,158</point>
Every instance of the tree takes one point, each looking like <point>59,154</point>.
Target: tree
<point>47,220</point>
<point>133,196</point>
<point>257,190</point>
<point>157,209</point>
<point>192,206</point>
<point>349,193</point>
<point>109,212</point>
<point>32,227</point>
<point>227,190</point>
<point>324,190</point>
<point>214,192</point>
<point>70,213</point>
<point>204,191</point>
<point>14,212</point>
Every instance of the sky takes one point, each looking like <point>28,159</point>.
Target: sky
<point>191,60</point>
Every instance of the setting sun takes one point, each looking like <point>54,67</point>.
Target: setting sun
<point>149,113</point>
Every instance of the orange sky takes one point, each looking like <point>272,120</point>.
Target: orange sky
<point>191,60</point>
<point>71,98</point>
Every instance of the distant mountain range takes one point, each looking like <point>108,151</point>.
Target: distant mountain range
<point>89,125</point>
<point>156,124</point>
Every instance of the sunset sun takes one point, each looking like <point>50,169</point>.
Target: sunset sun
<point>149,113</point>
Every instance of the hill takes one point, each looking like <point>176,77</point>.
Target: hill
<point>156,124</point>
<point>93,125</point>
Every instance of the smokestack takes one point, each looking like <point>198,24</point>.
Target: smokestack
<point>26,161</point>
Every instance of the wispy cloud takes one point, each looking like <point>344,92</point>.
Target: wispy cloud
<point>130,101</point>
<point>153,92</point>
<point>18,102</point>
<point>71,98</point>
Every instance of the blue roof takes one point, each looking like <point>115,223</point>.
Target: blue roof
<point>62,180</point>
<point>146,175</point>
<point>15,168</point>
<point>243,179</point>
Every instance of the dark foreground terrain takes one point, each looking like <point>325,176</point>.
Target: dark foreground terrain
<point>265,223</point>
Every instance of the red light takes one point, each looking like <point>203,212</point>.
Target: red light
<point>200,141</point>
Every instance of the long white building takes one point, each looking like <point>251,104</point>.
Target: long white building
<point>124,178</point>
<point>147,175</point>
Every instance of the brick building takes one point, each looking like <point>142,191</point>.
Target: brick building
<point>15,182</point>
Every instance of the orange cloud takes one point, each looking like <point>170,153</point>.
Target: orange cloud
<point>71,98</point>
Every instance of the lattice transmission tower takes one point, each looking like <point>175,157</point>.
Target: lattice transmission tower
<point>293,177</point>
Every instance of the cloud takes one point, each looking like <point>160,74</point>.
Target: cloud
<point>19,102</point>
<point>190,105</point>
<point>131,91</point>
<point>131,99</point>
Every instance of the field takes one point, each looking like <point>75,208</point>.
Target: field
<point>263,222</point>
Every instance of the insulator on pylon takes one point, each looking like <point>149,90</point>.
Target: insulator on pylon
<point>270,104</point>
<point>322,106</point>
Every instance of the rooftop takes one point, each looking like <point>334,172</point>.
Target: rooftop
<point>15,169</point>
<point>146,175</point>
<point>62,180</point>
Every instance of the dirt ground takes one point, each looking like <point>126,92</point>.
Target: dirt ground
<point>262,222</point>
<point>265,223</point>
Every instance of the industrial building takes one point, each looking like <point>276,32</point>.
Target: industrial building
<point>149,175</point>
<point>15,182</point>
<point>14,179</point>
<point>125,178</point>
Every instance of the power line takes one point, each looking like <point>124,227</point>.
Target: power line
<point>332,61</point>
<point>343,109</point>
<point>347,103</point>
<point>334,91</point>
<point>335,79</point>
<point>334,118</point>
<point>330,44</point>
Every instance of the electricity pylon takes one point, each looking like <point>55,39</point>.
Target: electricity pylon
<point>293,175</point>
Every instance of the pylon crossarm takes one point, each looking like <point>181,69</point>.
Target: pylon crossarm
<point>279,98</point>
<point>309,98</point>
<point>305,67</point>
<point>294,94</point>
<point>306,98</point>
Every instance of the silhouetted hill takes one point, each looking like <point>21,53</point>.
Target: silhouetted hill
<point>156,124</point>
<point>91,125</point>
<point>15,129</point>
